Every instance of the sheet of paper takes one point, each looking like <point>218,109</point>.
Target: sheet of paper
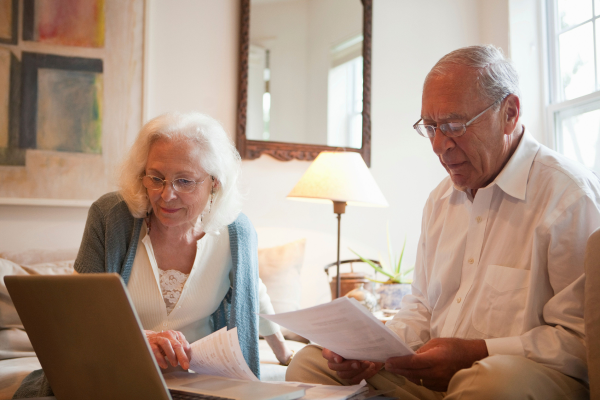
<point>345,327</point>
<point>328,392</point>
<point>220,354</point>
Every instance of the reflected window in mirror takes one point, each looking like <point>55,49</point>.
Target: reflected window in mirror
<point>344,94</point>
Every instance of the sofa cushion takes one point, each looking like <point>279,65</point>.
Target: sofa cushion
<point>14,342</point>
<point>279,269</point>
<point>13,372</point>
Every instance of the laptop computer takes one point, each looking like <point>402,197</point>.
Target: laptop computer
<point>90,343</point>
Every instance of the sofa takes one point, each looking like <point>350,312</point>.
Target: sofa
<point>281,268</point>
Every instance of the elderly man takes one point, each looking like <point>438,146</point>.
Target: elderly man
<point>496,310</point>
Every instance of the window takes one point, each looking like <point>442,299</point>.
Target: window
<point>574,70</point>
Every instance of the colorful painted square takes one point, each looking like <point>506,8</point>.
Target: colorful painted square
<point>69,111</point>
<point>61,107</point>
<point>8,21</point>
<point>64,22</point>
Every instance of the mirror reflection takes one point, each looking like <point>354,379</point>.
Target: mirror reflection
<point>305,75</point>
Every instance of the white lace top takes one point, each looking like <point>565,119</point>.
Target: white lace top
<point>166,299</point>
<point>171,285</point>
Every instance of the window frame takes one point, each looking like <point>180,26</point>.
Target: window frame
<point>556,102</point>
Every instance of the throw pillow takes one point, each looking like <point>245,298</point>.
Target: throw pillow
<point>279,269</point>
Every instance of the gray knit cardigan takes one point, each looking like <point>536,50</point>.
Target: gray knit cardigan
<point>109,244</point>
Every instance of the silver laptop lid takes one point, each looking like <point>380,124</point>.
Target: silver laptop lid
<point>96,350</point>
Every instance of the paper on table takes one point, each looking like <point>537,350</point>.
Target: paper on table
<point>345,327</point>
<point>220,354</point>
<point>328,392</point>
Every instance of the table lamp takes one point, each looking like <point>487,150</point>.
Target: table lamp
<point>341,177</point>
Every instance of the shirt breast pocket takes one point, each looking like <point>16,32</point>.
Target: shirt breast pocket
<point>500,306</point>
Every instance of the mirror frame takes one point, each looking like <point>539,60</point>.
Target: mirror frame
<point>252,149</point>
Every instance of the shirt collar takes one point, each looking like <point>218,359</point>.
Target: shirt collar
<point>513,177</point>
<point>515,174</point>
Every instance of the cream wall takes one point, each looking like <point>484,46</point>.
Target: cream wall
<point>192,65</point>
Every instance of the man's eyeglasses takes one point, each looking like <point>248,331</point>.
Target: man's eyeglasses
<point>181,185</point>
<point>450,129</point>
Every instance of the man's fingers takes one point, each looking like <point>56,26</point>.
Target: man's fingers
<point>368,370</point>
<point>348,365</point>
<point>411,362</point>
<point>331,356</point>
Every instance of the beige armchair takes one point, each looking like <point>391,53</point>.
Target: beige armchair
<point>592,312</point>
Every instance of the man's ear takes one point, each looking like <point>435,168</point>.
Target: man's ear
<point>511,112</point>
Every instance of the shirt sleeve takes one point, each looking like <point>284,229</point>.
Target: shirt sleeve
<point>265,327</point>
<point>412,323</point>
<point>559,342</point>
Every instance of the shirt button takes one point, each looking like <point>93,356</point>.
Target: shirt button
<point>471,261</point>
<point>458,300</point>
<point>479,219</point>
<point>165,324</point>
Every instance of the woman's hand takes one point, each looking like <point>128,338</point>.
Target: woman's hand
<point>277,344</point>
<point>172,345</point>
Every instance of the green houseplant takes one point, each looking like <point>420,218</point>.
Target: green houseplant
<point>398,283</point>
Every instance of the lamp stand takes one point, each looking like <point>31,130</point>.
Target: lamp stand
<point>339,208</point>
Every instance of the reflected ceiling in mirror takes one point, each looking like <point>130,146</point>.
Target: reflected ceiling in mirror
<point>305,73</point>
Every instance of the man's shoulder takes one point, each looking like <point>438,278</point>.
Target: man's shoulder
<point>443,188</point>
<point>556,169</point>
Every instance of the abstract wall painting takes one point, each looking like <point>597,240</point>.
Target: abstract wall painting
<point>8,21</point>
<point>62,103</point>
<point>64,22</point>
<point>70,97</point>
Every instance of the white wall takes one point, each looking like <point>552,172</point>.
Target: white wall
<point>193,64</point>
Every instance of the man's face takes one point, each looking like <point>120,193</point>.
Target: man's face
<point>474,159</point>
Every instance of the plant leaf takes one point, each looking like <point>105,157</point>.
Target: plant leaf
<point>398,267</point>
<point>372,264</point>
<point>376,281</point>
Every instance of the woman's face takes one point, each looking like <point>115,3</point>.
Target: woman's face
<point>175,159</point>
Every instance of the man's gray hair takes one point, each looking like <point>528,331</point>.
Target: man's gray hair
<point>219,158</point>
<point>497,77</point>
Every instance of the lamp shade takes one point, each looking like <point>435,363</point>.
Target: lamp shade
<point>341,177</point>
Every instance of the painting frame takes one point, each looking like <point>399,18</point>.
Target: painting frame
<point>14,24</point>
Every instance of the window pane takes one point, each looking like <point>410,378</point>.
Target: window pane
<point>597,7</point>
<point>573,12</point>
<point>577,62</point>
<point>579,137</point>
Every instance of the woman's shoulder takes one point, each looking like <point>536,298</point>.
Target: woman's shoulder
<point>111,204</point>
<point>241,225</point>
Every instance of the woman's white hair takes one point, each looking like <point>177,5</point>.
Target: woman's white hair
<point>497,78</point>
<point>219,158</point>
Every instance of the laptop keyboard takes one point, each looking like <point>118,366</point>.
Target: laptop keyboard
<point>179,395</point>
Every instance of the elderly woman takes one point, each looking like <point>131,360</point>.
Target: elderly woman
<point>175,234</point>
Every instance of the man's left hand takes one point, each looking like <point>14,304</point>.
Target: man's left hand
<point>437,361</point>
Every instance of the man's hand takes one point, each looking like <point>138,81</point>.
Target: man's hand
<point>437,361</point>
<point>172,345</point>
<point>351,370</point>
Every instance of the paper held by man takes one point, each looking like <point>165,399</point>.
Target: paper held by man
<point>345,327</point>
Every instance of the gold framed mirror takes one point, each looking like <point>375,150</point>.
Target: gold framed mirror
<point>345,68</point>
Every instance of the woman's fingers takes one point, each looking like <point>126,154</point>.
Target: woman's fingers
<point>172,345</point>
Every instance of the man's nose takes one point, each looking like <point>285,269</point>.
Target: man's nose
<point>441,143</point>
